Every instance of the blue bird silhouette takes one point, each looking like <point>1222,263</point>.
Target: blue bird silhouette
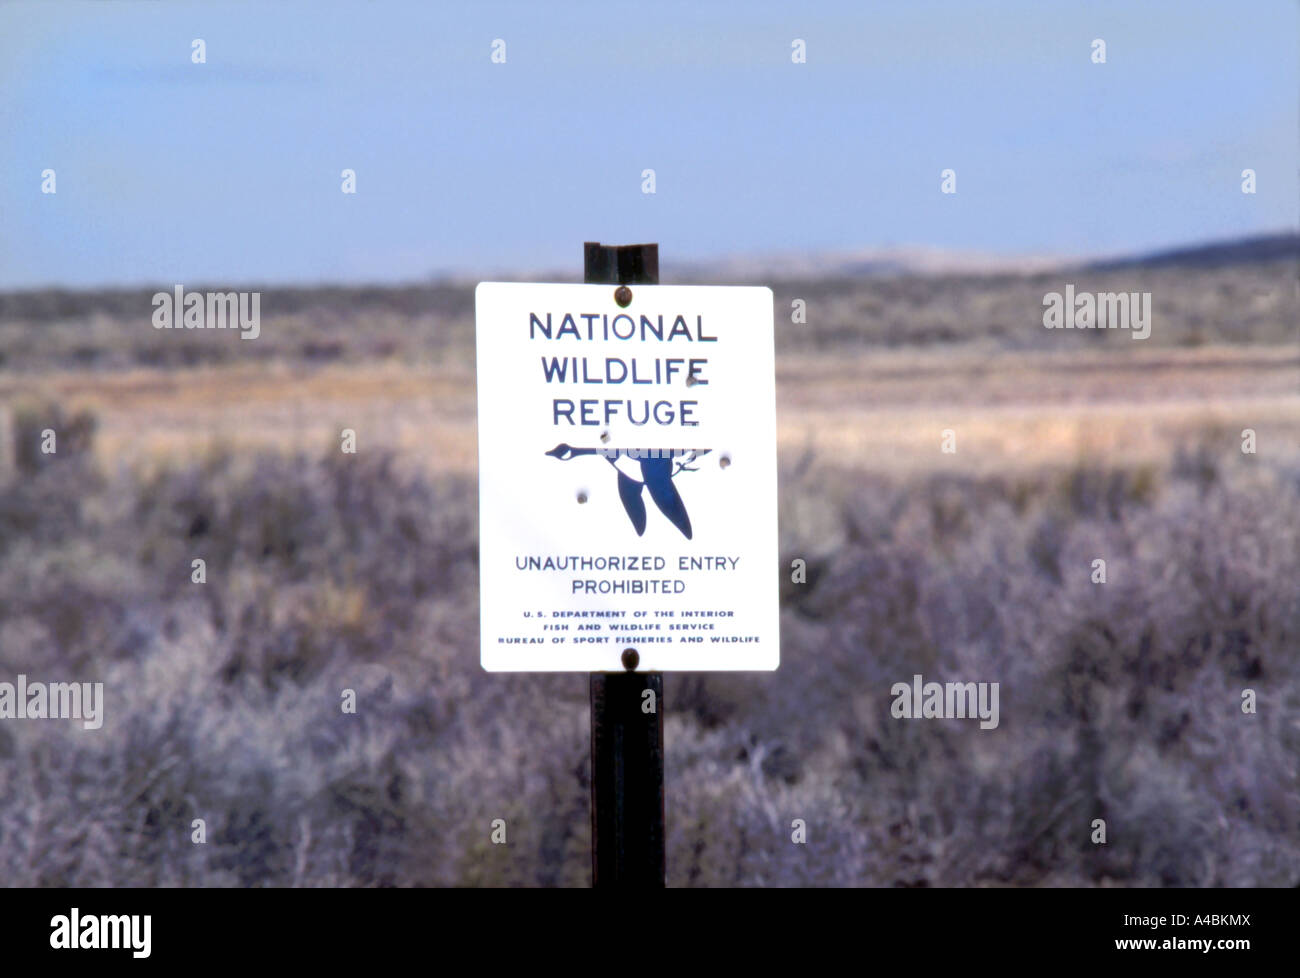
<point>645,468</point>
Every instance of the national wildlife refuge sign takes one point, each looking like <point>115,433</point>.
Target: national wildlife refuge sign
<point>627,477</point>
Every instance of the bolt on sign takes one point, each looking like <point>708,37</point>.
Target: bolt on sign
<point>627,477</point>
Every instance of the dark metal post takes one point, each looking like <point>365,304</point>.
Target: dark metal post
<point>627,744</point>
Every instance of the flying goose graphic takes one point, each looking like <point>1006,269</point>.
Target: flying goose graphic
<point>645,468</point>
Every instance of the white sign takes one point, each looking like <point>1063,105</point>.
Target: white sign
<point>627,478</point>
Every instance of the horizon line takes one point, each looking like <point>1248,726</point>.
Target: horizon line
<point>893,261</point>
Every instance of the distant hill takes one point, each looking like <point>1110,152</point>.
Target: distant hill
<point>452,295</point>
<point>857,263</point>
<point>889,262</point>
<point>1217,254</point>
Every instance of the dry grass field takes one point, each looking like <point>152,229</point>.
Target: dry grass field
<point>883,411</point>
<point>325,571</point>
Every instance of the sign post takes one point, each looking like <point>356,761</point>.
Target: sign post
<point>627,742</point>
<point>627,508</point>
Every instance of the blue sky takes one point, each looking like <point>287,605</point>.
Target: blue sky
<point>229,171</point>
